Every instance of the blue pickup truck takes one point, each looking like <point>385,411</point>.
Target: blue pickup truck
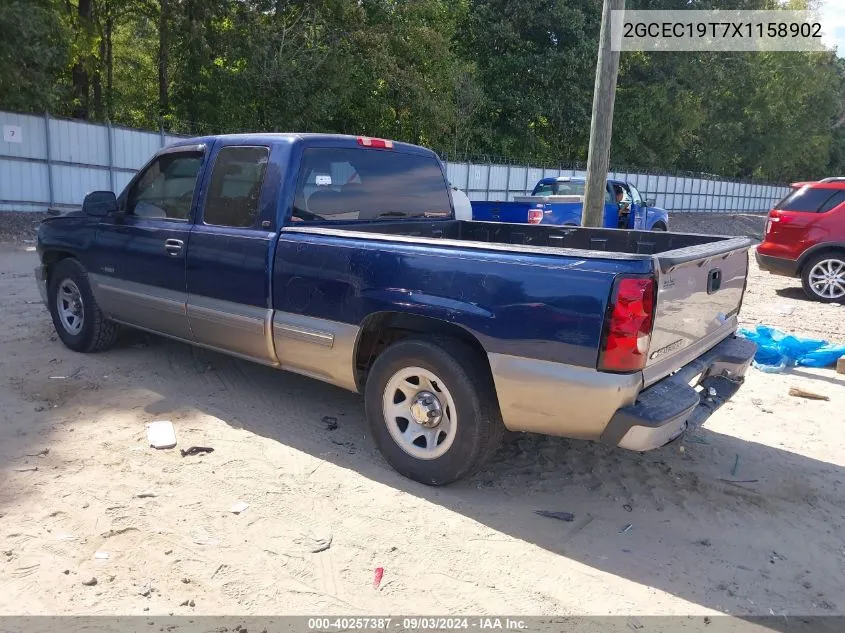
<point>559,201</point>
<point>339,258</point>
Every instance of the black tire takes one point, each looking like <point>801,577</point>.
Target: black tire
<point>807,269</point>
<point>659,226</point>
<point>97,333</point>
<point>479,429</point>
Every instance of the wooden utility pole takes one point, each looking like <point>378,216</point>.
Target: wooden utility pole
<point>601,126</point>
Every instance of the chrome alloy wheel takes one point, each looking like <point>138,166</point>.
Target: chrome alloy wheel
<point>70,307</point>
<point>419,413</point>
<point>827,278</point>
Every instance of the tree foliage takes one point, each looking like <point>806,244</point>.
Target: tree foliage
<point>504,78</point>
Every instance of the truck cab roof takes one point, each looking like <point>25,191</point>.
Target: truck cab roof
<point>311,139</point>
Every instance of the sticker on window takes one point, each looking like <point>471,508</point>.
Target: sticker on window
<point>323,180</point>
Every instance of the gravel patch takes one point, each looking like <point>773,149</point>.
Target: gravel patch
<point>18,226</point>
<point>747,224</point>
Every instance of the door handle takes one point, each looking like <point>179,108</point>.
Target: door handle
<point>174,247</point>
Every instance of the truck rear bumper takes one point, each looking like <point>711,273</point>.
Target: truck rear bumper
<point>777,265</point>
<point>667,409</point>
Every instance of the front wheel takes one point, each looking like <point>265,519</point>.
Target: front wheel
<point>823,277</point>
<point>432,409</point>
<point>78,320</point>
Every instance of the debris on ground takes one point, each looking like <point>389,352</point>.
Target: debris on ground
<point>196,450</point>
<point>560,516</point>
<point>735,467</point>
<point>145,495</point>
<point>161,434</point>
<point>627,507</point>
<point>315,543</point>
<point>840,365</point>
<point>330,422</point>
<point>188,603</point>
<point>26,469</point>
<point>90,582</point>
<point>777,351</point>
<point>349,446</point>
<point>800,392</point>
<point>626,529</point>
<point>101,555</point>
<point>378,576</point>
<point>238,507</point>
<point>321,545</point>
<point>145,591</point>
<point>42,453</point>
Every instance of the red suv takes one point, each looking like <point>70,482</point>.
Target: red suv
<point>805,237</point>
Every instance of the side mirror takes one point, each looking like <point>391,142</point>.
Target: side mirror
<point>649,202</point>
<point>99,203</point>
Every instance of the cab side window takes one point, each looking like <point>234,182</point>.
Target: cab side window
<point>235,188</point>
<point>165,189</point>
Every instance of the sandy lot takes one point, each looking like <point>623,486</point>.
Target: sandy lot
<point>746,517</point>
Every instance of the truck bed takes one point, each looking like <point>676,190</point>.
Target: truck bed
<point>672,248</point>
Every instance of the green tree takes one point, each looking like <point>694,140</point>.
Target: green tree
<point>34,51</point>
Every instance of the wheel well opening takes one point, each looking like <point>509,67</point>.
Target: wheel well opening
<point>827,250</point>
<point>383,329</point>
<point>51,258</point>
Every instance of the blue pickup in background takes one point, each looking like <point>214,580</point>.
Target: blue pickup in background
<point>559,201</point>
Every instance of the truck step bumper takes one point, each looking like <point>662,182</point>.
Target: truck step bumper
<point>667,409</point>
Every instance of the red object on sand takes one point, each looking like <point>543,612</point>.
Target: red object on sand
<point>379,575</point>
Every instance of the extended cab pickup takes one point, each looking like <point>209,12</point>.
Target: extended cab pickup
<point>339,258</point>
<point>560,201</point>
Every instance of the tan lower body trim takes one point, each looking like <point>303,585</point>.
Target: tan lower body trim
<point>556,399</point>
<point>315,347</point>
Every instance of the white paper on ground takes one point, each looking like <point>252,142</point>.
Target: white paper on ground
<point>239,507</point>
<point>161,434</point>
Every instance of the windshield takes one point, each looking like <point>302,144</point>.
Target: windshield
<point>562,188</point>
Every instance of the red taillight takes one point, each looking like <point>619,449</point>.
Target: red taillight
<point>377,143</point>
<point>627,330</point>
<point>535,216</point>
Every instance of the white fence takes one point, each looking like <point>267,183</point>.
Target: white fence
<point>48,162</point>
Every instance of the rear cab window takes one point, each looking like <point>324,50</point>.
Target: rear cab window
<point>560,188</point>
<point>812,200</point>
<point>353,184</point>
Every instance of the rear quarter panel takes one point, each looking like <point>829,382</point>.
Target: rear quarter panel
<point>543,307</point>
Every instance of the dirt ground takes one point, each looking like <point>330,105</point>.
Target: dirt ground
<point>746,517</point>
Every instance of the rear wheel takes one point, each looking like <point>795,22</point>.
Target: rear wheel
<point>78,320</point>
<point>823,277</point>
<point>659,226</point>
<point>432,409</point>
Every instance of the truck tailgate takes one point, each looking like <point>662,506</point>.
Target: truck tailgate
<point>512,212</point>
<point>700,290</point>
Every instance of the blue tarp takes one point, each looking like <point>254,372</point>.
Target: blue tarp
<point>777,351</point>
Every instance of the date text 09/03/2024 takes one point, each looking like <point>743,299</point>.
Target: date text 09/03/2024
<point>417,623</point>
